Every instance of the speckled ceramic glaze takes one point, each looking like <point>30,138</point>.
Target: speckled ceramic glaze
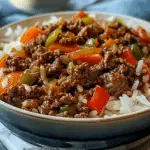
<point>73,128</point>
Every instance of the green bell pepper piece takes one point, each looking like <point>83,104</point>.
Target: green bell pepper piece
<point>136,51</point>
<point>52,37</point>
<point>28,77</point>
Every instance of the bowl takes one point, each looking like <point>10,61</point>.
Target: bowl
<point>83,129</point>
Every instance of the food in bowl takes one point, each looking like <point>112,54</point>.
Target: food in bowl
<point>76,68</point>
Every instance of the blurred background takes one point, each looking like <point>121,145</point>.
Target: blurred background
<point>14,10</point>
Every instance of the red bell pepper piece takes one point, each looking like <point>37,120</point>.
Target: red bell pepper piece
<point>9,80</point>
<point>2,60</point>
<point>84,52</point>
<point>30,33</point>
<point>108,43</point>
<point>20,53</point>
<point>64,48</point>
<point>92,59</point>
<point>108,33</point>
<point>143,35</point>
<point>78,15</point>
<point>128,56</point>
<point>89,55</point>
<point>99,99</point>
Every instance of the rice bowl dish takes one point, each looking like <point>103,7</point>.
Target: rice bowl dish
<point>81,68</point>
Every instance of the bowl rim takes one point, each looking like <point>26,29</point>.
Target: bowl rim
<point>63,119</point>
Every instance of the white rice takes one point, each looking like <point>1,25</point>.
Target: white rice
<point>111,19</point>
<point>93,114</point>
<point>27,87</point>
<point>123,105</point>
<point>145,78</point>
<point>15,34</point>
<point>79,88</point>
<point>145,50</point>
<point>108,113</point>
<point>128,23</point>
<point>90,42</point>
<point>13,40</point>
<point>5,83</point>
<point>142,99</point>
<point>92,15</point>
<point>82,99</point>
<point>139,67</point>
<point>135,85</point>
<point>53,20</point>
<point>24,103</point>
<point>113,105</point>
<point>43,75</point>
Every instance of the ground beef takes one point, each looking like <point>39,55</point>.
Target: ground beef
<point>35,44</point>
<point>38,51</point>
<point>53,102</point>
<point>90,31</point>
<point>122,31</point>
<point>17,94</point>
<point>48,28</point>
<point>68,99</point>
<point>66,38</point>
<point>120,48</point>
<point>67,85</point>
<point>58,53</point>
<point>42,54</point>
<point>46,57</point>
<point>31,47</point>
<point>83,109</point>
<point>47,100</point>
<point>17,63</point>
<point>55,68</point>
<point>74,27</point>
<point>30,104</point>
<point>81,115</point>
<point>107,58</point>
<point>114,24</point>
<point>94,30</point>
<point>39,82</point>
<point>52,113</point>
<point>81,73</point>
<point>86,75</point>
<point>83,32</point>
<point>122,68</point>
<point>80,40</point>
<point>109,33</point>
<point>114,62</point>
<point>115,83</point>
<point>129,38</point>
<point>131,75</point>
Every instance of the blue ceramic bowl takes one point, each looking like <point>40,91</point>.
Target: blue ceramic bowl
<point>73,128</point>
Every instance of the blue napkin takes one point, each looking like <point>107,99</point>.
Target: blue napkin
<point>136,8</point>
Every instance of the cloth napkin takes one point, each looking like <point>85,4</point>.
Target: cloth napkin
<point>136,8</point>
<point>12,142</point>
